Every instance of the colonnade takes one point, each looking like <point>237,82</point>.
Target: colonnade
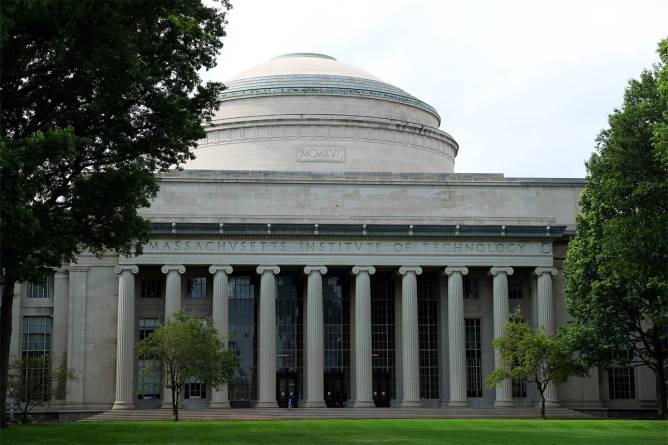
<point>314,332</point>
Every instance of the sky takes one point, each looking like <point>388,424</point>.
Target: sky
<point>523,86</point>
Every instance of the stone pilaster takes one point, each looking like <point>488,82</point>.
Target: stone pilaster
<point>456,336</point>
<point>363,369</point>
<point>125,338</point>
<point>172,305</point>
<point>220,317</point>
<point>410,363</point>
<point>76,335</point>
<point>266,342</point>
<point>314,337</point>
<point>60,312</point>
<point>545,316</point>
<point>504,390</point>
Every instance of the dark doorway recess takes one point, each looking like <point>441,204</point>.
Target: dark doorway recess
<point>287,386</point>
<point>381,389</point>
<point>335,390</point>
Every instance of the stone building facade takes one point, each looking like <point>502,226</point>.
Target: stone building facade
<point>323,231</point>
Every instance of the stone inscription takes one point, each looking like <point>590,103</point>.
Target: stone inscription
<point>321,154</point>
<point>347,247</point>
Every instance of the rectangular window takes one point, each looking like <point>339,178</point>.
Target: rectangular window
<point>428,336</point>
<point>39,288</point>
<point>473,357</point>
<point>147,326</point>
<point>195,390</point>
<point>514,289</point>
<point>197,287</point>
<point>471,290</point>
<point>36,346</point>
<point>148,379</point>
<point>150,288</point>
<point>519,388</point>
<point>621,380</point>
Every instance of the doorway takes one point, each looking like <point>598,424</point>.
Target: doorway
<point>287,388</point>
<point>381,389</point>
<point>335,390</point>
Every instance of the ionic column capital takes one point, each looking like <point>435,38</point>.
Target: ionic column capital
<point>403,270</point>
<point>227,269</point>
<point>538,271</point>
<point>309,269</point>
<point>370,269</point>
<point>173,267</point>
<point>454,270</point>
<point>273,269</point>
<point>126,268</point>
<point>503,270</point>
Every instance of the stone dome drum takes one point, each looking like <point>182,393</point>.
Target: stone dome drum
<point>309,112</point>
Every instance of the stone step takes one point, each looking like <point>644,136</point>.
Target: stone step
<point>338,413</point>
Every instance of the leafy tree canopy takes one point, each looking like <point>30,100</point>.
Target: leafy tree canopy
<point>535,357</point>
<point>616,267</point>
<point>97,96</point>
<point>188,348</point>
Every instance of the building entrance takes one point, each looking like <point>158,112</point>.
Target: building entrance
<point>335,390</point>
<point>381,389</point>
<point>287,388</point>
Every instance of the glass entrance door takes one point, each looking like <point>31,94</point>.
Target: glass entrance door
<point>335,390</point>
<point>381,389</point>
<point>286,389</point>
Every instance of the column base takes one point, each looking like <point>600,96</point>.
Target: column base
<point>314,404</point>
<point>458,404</point>
<point>266,404</point>
<point>218,404</point>
<point>410,404</point>
<point>123,405</point>
<point>504,404</point>
<point>363,404</point>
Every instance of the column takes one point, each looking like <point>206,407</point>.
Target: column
<point>60,296</point>
<point>456,336</point>
<point>125,338</point>
<point>504,390</point>
<point>76,335</point>
<point>314,336</point>
<point>172,305</point>
<point>266,342</point>
<point>545,316</point>
<point>363,370</point>
<point>220,319</point>
<point>172,288</point>
<point>410,351</point>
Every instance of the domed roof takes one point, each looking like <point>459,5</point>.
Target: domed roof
<point>315,74</point>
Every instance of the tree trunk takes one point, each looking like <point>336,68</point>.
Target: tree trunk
<point>661,388</point>
<point>541,391</point>
<point>5,335</point>
<point>175,405</point>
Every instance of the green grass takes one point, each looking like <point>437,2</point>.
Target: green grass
<point>374,432</point>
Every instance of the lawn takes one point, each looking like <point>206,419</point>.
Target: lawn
<point>374,432</point>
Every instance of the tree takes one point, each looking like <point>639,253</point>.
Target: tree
<point>97,96</point>
<point>32,382</point>
<point>536,358</point>
<point>616,267</point>
<point>187,348</point>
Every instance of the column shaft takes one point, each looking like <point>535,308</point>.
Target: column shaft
<point>219,315</point>
<point>363,366</point>
<point>125,338</point>
<point>266,343</point>
<point>314,336</point>
<point>504,390</point>
<point>172,305</point>
<point>545,315</point>
<point>456,336</point>
<point>410,351</point>
<point>76,335</point>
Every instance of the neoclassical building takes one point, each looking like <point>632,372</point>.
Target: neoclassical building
<point>324,232</point>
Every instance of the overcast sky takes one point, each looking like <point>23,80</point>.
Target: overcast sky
<point>523,86</point>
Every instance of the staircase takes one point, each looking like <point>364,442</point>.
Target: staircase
<point>338,413</point>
